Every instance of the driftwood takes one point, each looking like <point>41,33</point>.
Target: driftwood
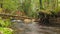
<point>14,16</point>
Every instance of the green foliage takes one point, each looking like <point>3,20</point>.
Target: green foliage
<point>10,4</point>
<point>32,11</point>
<point>3,26</point>
<point>57,10</point>
<point>26,6</point>
<point>5,23</point>
<point>5,30</point>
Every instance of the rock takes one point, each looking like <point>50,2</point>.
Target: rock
<point>27,21</point>
<point>33,20</point>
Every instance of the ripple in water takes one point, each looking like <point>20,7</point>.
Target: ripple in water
<point>34,28</point>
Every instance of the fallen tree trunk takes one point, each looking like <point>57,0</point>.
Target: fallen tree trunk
<point>14,16</point>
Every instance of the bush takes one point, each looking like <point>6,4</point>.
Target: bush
<point>5,23</point>
<point>5,30</point>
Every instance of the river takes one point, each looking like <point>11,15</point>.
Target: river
<point>34,28</point>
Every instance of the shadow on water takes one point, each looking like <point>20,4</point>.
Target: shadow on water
<point>54,25</point>
<point>50,24</point>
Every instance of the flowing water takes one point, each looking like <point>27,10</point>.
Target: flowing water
<point>34,28</point>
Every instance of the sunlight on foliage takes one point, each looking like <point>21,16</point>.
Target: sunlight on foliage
<point>5,23</point>
<point>5,30</point>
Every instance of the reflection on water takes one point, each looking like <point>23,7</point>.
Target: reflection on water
<point>33,28</point>
<point>49,30</point>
